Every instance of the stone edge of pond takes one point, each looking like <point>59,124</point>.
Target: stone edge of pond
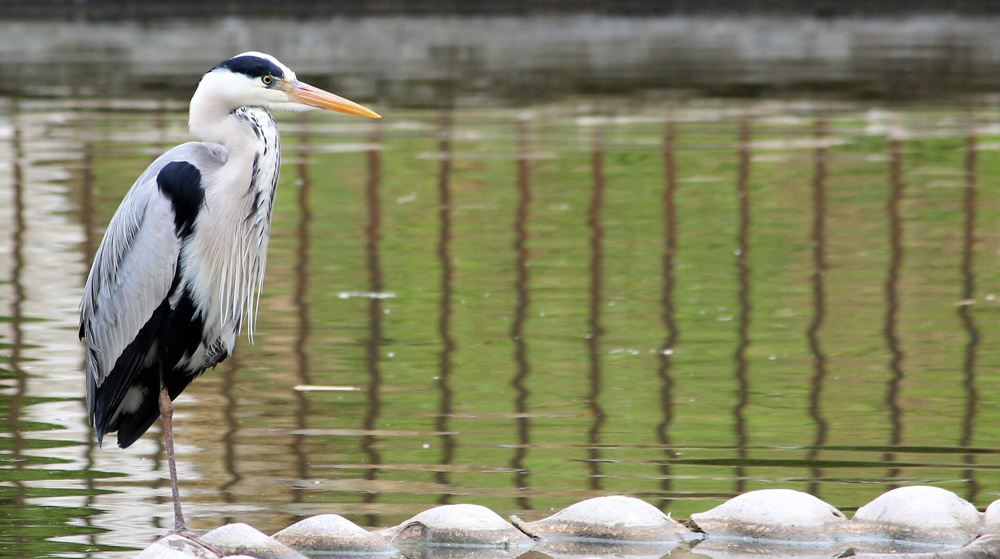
<point>913,522</point>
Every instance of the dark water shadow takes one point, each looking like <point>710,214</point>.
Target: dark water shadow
<point>743,275</point>
<point>523,302</point>
<point>444,322</point>
<point>819,305</point>
<point>301,302</point>
<point>966,314</point>
<point>596,227</point>
<point>892,304</point>
<point>376,284</point>
<point>664,357</point>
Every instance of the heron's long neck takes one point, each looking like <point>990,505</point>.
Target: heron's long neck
<point>212,119</point>
<point>262,157</point>
<point>245,188</point>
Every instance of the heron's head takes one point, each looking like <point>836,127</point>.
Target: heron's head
<point>255,79</point>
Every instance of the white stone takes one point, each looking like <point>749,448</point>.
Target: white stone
<point>780,515</point>
<point>732,550</point>
<point>612,518</point>
<point>158,551</point>
<point>985,547</point>
<point>458,525</point>
<point>174,546</point>
<point>333,533</point>
<point>991,518</point>
<point>566,549</point>
<point>239,538</point>
<point>918,514</point>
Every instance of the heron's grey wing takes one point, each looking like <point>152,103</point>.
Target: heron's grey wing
<point>132,275</point>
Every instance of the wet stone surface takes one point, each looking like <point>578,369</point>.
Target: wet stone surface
<point>241,539</point>
<point>459,525</point>
<point>914,519</point>
<point>916,522</point>
<point>986,547</point>
<point>991,518</point>
<point>918,515</point>
<point>332,533</point>
<point>611,519</point>
<point>772,515</point>
<point>173,546</point>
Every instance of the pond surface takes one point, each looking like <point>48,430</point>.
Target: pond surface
<point>522,308</point>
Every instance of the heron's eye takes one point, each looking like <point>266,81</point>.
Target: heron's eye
<point>267,80</point>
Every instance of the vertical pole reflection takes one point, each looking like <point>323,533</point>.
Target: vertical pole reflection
<point>892,302</point>
<point>229,442</point>
<point>520,315</point>
<point>444,326</point>
<point>819,305</point>
<point>17,325</point>
<point>965,312</point>
<point>667,301</point>
<point>302,306</point>
<point>373,239</point>
<point>743,265</point>
<point>596,331</point>
<point>87,219</point>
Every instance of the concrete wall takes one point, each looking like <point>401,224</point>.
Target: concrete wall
<point>435,59</point>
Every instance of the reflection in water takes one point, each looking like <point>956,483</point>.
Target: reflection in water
<point>301,299</point>
<point>594,320</point>
<point>892,304</point>
<point>965,312</point>
<point>521,474</point>
<point>230,457</point>
<point>667,301</point>
<point>444,322</point>
<point>89,247</point>
<point>17,328</point>
<point>669,413</point>
<point>373,345</point>
<point>819,305</point>
<point>743,274</point>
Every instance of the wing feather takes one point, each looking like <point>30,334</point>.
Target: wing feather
<point>134,270</point>
<point>132,274</point>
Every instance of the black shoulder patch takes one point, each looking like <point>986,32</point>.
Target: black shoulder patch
<point>253,66</point>
<point>180,182</point>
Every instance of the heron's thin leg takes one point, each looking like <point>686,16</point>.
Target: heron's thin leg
<point>167,416</point>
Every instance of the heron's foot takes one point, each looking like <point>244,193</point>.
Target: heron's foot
<point>183,532</point>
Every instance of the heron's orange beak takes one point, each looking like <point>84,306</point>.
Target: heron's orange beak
<point>306,94</point>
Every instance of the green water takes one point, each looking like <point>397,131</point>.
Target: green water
<point>523,308</point>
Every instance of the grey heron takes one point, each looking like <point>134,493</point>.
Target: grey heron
<point>181,264</point>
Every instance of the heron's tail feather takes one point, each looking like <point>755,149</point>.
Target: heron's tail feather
<point>132,425</point>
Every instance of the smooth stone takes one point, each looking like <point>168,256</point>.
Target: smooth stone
<point>445,551</point>
<point>919,515</point>
<point>612,519</point>
<point>568,549</point>
<point>730,550</point>
<point>335,534</point>
<point>174,546</point>
<point>986,547</point>
<point>242,539</point>
<point>773,515</point>
<point>991,518</point>
<point>458,525</point>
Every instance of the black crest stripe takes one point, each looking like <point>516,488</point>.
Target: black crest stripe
<point>253,66</point>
